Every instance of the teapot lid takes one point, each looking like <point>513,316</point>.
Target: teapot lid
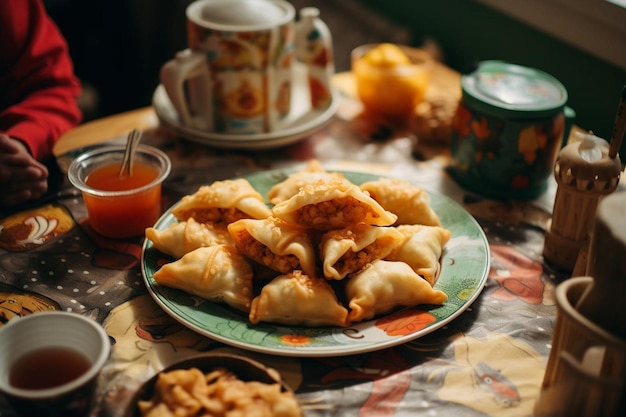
<point>510,90</point>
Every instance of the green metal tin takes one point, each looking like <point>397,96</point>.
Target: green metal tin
<point>512,91</point>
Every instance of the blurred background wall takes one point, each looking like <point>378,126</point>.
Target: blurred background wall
<point>118,46</point>
<point>469,31</point>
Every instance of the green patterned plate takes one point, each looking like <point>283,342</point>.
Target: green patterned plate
<point>464,269</point>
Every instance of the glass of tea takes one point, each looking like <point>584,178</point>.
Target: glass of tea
<point>120,206</point>
<point>50,362</point>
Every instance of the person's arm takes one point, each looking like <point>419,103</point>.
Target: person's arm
<point>38,87</point>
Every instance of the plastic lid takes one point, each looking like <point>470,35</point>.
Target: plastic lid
<point>510,90</point>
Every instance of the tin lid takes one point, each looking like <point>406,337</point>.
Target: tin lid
<point>510,90</point>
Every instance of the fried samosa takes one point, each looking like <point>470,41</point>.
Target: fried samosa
<point>410,203</point>
<point>344,251</point>
<point>385,285</point>
<point>222,202</point>
<point>298,299</point>
<point>275,244</point>
<point>311,174</point>
<point>422,249</point>
<point>216,273</point>
<point>327,205</point>
<point>180,238</point>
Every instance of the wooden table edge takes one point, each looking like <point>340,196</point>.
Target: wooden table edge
<point>106,128</point>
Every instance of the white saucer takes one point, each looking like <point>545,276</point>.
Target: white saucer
<point>299,123</point>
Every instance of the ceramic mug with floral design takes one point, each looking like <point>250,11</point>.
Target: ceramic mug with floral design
<point>507,130</point>
<point>235,77</point>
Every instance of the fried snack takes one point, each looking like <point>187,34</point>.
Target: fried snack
<point>182,237</point>
<point>385,285</point>
<point>332,254</point>
<point>332,205</point>
<point>410,203</point>
<point>311,174</point>
<point>222,202</point>
<point>297,299</point>
<point>191,393</point>
<point>275,244</point>
<point>347,250</point>
<point>217,273</point>
<point>422,250</point>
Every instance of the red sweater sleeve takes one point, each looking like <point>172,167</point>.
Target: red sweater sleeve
<point>38,88</point>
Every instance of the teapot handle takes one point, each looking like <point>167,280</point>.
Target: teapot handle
<point>314,48</point>
<point>187,81</point>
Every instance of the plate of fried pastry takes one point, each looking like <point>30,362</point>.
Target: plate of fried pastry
<point>315,262</point>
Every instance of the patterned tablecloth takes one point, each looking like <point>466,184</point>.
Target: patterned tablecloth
<point>489,361</point>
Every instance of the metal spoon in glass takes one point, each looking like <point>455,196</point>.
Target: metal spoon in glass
<point>129,154</point>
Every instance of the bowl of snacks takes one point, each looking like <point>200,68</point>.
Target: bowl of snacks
<point>214,384</point>
<point>391,80</point>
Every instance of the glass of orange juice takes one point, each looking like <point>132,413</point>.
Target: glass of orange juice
<point>391,80</point>
<point>120,206</point>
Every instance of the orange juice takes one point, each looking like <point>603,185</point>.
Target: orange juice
<point>123,214</point>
